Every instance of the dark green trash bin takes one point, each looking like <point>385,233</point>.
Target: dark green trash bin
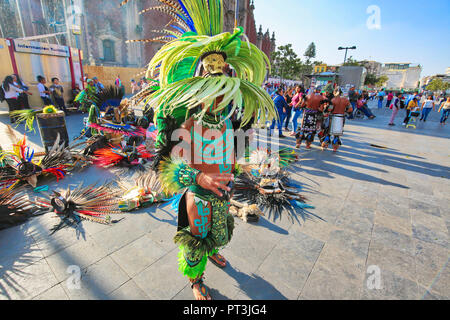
<point>50,124</point>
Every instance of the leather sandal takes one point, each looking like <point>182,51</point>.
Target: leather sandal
<point>220,258</point>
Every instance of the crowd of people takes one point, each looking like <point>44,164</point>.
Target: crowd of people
<point>418,107</point>
<point>290,103</point>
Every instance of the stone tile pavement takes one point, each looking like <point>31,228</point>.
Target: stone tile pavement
<point>381,210</point>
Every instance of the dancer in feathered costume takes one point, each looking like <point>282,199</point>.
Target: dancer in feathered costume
<point>20,165</point>
<point>14,208</point>
<point>196,95</point>
<point>314,103</point>
<point>87,97</point>
<point>89,203</point>
<point>340,106</point>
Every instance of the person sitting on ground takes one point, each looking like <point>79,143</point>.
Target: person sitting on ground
<point>362,105</point>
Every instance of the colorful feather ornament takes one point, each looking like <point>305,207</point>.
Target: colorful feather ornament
<point>265,182</point>
<point>146,191</point>
<point>21,165</point>
<point>115,128</point>
<point>14,208</point>
<point>90,203</point>
<point>122,156</point>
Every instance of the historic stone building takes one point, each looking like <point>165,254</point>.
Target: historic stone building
<point>100,28</point>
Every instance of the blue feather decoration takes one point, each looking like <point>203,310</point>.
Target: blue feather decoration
<point>300,205</point>
<point>175,202</point>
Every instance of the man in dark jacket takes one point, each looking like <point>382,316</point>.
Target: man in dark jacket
<point>281,106</point>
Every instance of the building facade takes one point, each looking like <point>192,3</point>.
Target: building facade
<point>373,67</point>
<point>100,28</point>
<point>402,75</point>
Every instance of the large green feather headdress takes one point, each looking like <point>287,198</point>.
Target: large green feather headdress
<point>197,30</point>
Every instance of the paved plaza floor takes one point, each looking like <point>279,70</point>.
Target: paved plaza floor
<point>381,231</point>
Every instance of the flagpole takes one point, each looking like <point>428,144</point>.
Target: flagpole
<point>236,14</point>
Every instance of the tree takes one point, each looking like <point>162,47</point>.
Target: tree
<point>371,79</point>
<point>286,63</point>
<point>352,62</point>
<point>382,81</point>
<point>438,85</point>
<point>310,52</point>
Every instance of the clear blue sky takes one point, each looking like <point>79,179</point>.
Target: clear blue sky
<point>411,31</point>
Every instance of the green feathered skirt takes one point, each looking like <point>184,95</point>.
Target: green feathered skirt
<point>212,230</point>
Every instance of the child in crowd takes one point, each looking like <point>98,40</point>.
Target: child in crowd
<point>43,91</point>
<point>57,92</point>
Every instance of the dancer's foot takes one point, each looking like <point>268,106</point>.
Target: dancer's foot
<point>218,260</point>
<point>201,292</point>
<point>292,134</point>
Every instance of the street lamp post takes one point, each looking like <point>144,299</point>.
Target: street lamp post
<point>346,49</point>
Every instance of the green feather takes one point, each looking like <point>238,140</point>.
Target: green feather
<point>27,116</point>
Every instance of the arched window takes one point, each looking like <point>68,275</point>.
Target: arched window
<point>108,50</point>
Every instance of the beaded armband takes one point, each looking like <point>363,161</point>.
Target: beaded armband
<point>187,176</point>
<point>175,175</point>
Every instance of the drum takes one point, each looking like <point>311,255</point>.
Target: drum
<point>337,125</point>
<point>50,124</point>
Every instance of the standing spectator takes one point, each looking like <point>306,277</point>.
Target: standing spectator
<point>118,82</point>
<point>43,91</point>
<point>144,83</point>
<point>288,98</point>
<point>57,93</point>
<point>390,97</point>
<point>395,108</point>
<point>120,85</point>
<point>353,98</point>
<point>280,105</point>
<point>134,87</point>
<point>23,97</point>
<point>381,96</point>
<point>11,93</point>
<point>296,101</point>
<point>446,107</point>
<point>426,107</point>
<point>98,85</point>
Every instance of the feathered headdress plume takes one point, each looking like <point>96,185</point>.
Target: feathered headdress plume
<point>200,23</point>
<point>14,208</point>
<point>83,203</point>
